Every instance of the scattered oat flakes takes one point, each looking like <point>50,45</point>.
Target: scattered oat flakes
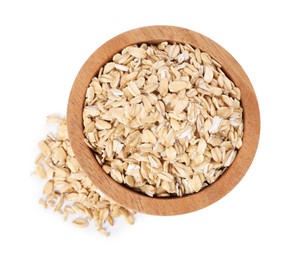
<point>68,190</point>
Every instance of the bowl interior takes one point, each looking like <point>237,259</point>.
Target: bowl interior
<point>135,200</point>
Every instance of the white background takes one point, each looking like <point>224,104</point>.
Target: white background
<point>43,44</point>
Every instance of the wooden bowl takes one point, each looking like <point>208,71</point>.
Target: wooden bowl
<point>137,201</point>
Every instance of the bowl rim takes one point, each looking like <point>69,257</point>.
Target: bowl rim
<point>137,201</point>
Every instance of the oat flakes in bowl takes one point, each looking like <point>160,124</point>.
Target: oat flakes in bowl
<point>164,119</point>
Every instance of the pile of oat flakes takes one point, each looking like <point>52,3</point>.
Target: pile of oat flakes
<point>68,190</point>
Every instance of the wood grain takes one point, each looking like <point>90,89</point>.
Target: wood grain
<point>137,201</point>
